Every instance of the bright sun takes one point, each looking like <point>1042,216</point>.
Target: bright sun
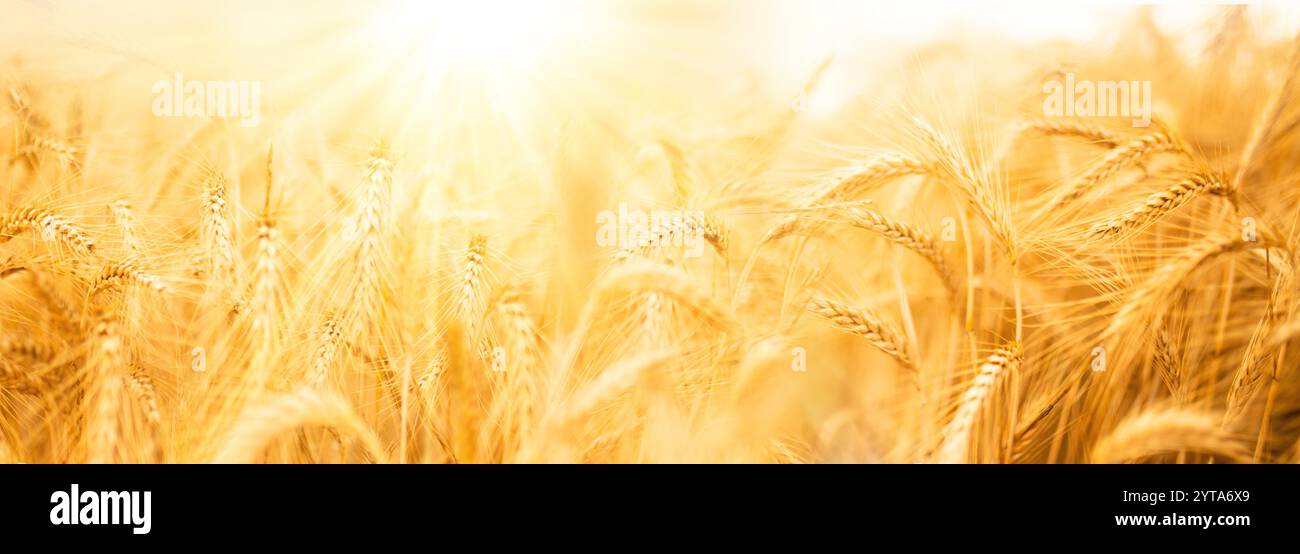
<point>488,35</point>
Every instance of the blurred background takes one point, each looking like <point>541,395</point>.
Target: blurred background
<point>585,48</point>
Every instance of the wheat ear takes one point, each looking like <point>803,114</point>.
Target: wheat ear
<point>146,393</point>
<point>907,236</point>
<point>116,275</point>
<point>867,324</point>
<point>955,448</point>
<point>49,225</point>
<point>266,266</point>
<point>1117,160</point>
<point>1159,204</point>
<point>105,366</point>
<point>677,231</point>
<point>1060,128</point>
<point>327,346</point>
<point>125,221</point>
<point>62,152</point>
<point>218,229</point>
<point>974,184</point>
<point>850,182</point>
<point>266,271</point>
<point>371,256</point>
<point>470,301</point>
<point>1166,362</point>
<point>25,364</point>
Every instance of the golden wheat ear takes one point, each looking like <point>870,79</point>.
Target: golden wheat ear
<point>49,226</point>
<point>1119,159</point>
<point>327,346</point>
<point>867,324</point>
<point>846,186</point>
<point>470,301</point>
<point>1160,204</point>
<point>851,182</point>
<point>371,256</point>
<point>955,447</point>
<point>1093,134</point>
<point>218,235</point>
<point>971,181</point>
<point>908,237</point>
<point>119,274</point>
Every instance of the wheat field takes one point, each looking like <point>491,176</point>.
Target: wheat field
<point>644,232</point>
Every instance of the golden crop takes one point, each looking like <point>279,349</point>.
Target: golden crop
<point>623,232</point>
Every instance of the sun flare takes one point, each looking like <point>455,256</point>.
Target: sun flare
<point>495,34</point>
